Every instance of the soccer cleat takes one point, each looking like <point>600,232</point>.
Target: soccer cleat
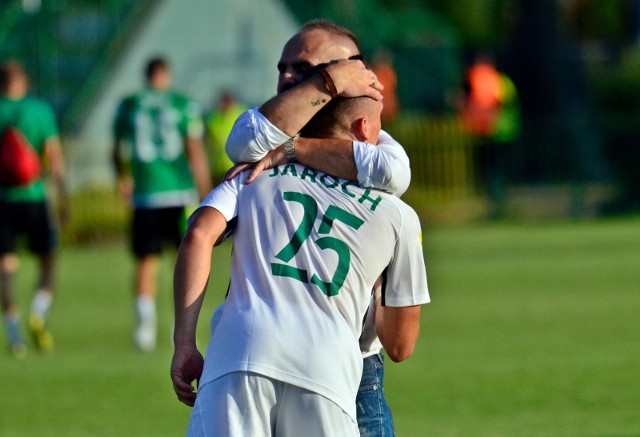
<point>42,338</point>
<point>19,351</point>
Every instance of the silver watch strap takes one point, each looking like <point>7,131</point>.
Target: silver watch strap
<point>290,147</point>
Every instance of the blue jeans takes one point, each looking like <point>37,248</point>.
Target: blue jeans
<point>374,416</point>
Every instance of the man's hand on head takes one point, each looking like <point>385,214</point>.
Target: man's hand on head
<point>353,79</point>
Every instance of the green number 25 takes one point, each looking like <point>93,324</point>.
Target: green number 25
<point>333,213</point>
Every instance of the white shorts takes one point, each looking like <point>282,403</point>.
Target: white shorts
<point>242,404</point>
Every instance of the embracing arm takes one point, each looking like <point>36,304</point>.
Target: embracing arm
<point>384,166</point>
<point>293,108</point>
<point>258,132</point>
<point>189,287</point>
<point>398,329</point>
<point>404,290</point>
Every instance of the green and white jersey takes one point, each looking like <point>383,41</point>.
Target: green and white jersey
<point>36,120</point>
<point>308,248</point>
<point>155,124</point>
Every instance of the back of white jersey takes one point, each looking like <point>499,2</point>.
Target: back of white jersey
<point>307,250</point>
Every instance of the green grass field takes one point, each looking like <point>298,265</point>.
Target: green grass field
<point>534,330</point>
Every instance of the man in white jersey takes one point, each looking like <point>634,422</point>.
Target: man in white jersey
<point>260,134</point>
<point>284,358</point>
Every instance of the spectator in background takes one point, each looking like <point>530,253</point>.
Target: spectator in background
<point>491,113</point>
<point>218,125</point>
<point>382,66</point>
<point>167,172</point>
<point>24,206</point>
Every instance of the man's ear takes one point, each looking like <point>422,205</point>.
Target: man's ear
<point>360,129</point>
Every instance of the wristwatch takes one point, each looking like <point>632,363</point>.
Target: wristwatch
<point>290,147</point>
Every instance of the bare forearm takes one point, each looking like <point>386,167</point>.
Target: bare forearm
<point>332,156</point>
<point>292,109</point>
<point>191,276</point>
<point>189,286</point>
<point>191,273</point>
<point>398,330</point>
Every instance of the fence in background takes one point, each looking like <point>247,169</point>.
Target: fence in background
<point>441,155</point>
<point>444,184</point>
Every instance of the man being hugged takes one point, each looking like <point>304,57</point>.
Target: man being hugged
<point>310,76</point>
<point>284,358</point>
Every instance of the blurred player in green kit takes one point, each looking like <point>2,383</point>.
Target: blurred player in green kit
<point>24,205</point>
<point>163,171</point>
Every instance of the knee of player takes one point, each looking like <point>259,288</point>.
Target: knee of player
<point>9,263</point>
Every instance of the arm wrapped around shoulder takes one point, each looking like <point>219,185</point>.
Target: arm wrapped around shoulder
<point>252,137</point>
<point>384,166</point>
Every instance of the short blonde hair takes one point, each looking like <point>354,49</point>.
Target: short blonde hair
<point>330,27</point>
<point>336,117</point>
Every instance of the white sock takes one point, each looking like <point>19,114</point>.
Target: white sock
<point>41,303</point>
<point>145,309</point>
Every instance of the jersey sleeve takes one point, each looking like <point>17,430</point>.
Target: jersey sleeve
<point>224,197</point>
<point>252,136</point>
<point>406,276</point>
<point>384,166</point>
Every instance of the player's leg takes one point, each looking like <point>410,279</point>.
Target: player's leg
<point>374,415</point>
<point>41,304</point>
<point>237,404</point>
<point>147,246</point>
<point>8,267</point>
<point>145,302</point>
<point>306,413</point>
<point>42,242</point>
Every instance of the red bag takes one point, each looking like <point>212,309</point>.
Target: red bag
<point>19,162</point>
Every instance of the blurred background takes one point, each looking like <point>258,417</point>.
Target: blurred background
<point>522,122</point>
<point>546,127</point>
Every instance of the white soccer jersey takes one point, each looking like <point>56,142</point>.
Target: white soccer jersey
<point>307,250</point>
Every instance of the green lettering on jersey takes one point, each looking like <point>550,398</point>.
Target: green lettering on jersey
<point>310,173</point>
<point>325,177</point>
<point>374,202</point>
<point>302,233</point>
<point>289,271</point>
<point>347,192</point>
<point>334,213</point>
<point>344,262</point>
<point>290,168</point>
<point>310,208</point>
<point>276,169</point>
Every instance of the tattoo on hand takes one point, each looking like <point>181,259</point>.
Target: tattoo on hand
<point>318,102</point>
